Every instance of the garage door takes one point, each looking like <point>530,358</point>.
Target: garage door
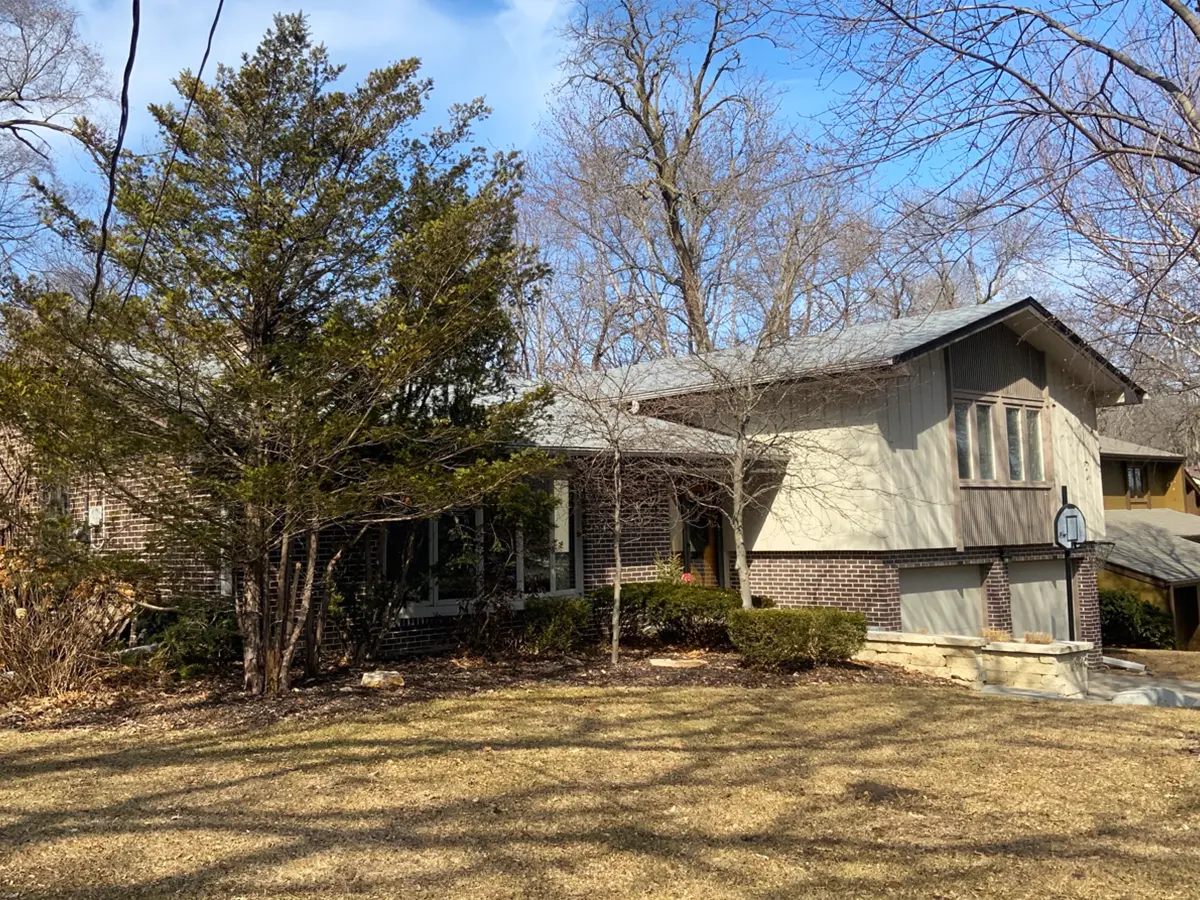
<point>1039,597</point>
<point>942,599</point>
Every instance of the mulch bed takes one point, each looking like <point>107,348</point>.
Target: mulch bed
<point>136,701</point>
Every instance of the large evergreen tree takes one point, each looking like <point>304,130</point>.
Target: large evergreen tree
<point>317,336</point>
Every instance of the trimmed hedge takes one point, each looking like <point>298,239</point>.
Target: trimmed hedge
<point>555,624</point>
<point>671,612</point>
<point>789,638</point>
<point>1126,620</point>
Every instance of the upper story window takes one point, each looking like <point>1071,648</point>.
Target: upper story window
<point>973,440</point>
<point>985,430</point>
<point>1023,430</point>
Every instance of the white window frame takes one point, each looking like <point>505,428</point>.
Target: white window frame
<point>435,604</point>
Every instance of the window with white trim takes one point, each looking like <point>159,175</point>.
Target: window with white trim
<point>443,561</point>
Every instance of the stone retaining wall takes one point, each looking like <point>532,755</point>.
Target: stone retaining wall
<point>955,657</point>
<point>1058,668</point>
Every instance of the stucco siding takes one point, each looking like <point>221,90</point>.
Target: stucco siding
<point>877,473</point>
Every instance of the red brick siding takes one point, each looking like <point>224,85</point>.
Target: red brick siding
<point>1087,603</point>
<point>998,596</point>
<point>870,582</point>
<point>862,582</point>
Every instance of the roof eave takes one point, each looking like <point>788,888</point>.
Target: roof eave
<point>1128,387</point>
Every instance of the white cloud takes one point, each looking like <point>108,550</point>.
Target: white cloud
<point>506,52</point>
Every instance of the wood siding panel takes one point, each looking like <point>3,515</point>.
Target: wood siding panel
<point>876,476</point>
<point>997,361</point>
<point>1076,448</point>
<point>1002,516</point>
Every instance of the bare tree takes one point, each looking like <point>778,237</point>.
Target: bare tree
<point>661,148</point>
<point>624,462</point>
<point>1084,114</point>
<point>49,77</point>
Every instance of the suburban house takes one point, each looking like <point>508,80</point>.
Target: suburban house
<point>909,469</point>
<point>936,479</point>
<point>1150,516</point>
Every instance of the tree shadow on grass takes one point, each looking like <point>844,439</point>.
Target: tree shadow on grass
<point>828,792</point>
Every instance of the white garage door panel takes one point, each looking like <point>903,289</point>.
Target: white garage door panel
<point>1039,597</point>
<point>942,600</point>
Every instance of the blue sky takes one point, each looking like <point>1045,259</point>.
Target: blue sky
<point>506,50</point>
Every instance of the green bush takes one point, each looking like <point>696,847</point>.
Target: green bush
<point>199,634</point>
<point>789,638</point>
<point>669,612</point>
<point>1128,621</point>
<point>555,624</point>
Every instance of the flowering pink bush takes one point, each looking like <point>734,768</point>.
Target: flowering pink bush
<point>687,578</point>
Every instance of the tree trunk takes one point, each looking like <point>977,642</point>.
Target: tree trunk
<point>314,634</point>
<point>616,609</point>
<point>297,619</point>
<point>279,617</point>
<point>738,517</point>
<point>250,622</point>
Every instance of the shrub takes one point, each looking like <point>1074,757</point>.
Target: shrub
<point>555,624</point>
<point>670,612</point>
<point>1039,637</point>
<point>788,638</point>
<point>59,617</point>
<point>1128,621</point>
<point>199,633</point>
<point>995,634</point>
<point>668,568</point>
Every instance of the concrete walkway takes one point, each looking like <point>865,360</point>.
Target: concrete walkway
<point>1103,686</point>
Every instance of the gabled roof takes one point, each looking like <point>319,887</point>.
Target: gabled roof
<point>870,346</point>
<point>1125,450</point>
<point>1155,542</point>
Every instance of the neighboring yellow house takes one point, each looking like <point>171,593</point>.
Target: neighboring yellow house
<point>1154,534</point>
<point>1137,477</point>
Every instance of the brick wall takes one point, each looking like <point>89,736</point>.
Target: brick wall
<point>863,582</point>
<point>870,582</point>
<point>1087,603</point>
<point>997,595</point>
<point>645,534</point>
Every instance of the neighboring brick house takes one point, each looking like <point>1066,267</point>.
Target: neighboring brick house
<point>937,482</point>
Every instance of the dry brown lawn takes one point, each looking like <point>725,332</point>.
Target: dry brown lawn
<point>1183,664</point>
<point>836,791</point>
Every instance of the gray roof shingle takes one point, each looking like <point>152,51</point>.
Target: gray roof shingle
<point>1155,542</point>
<point>1110,446</point>
<point>870,345</point>
<point>580,425</point>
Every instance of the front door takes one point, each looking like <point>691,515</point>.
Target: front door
<point>702,543</point>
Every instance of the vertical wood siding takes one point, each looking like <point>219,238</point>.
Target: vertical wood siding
<point>998,516</point>
<point>997,361</point>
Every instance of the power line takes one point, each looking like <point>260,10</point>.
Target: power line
<point>162,187</point>
<point>116,156</point>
